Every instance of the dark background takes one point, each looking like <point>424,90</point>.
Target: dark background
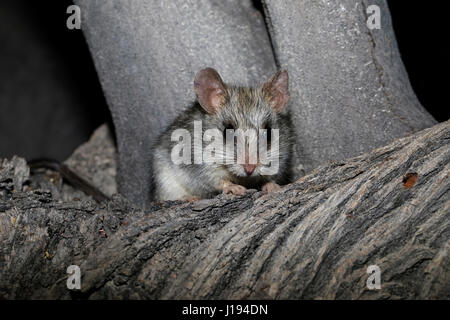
<point>51,100</point>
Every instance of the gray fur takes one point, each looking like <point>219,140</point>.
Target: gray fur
<point>145,53</point>
<point>245,108</point>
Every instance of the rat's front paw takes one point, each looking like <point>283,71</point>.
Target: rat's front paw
<point>270,187</point>
<point>235,189</point>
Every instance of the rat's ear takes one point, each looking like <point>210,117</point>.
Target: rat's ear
<point>276,90</point>
<point>210,90</point>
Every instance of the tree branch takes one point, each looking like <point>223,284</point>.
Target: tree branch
<point>314,239</point>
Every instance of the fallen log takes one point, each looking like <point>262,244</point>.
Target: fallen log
<point>315,239</point>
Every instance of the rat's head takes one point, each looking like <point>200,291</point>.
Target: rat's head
<point>254,115</point>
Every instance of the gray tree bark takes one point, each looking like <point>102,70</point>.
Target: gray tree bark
<point>313,239</point>
<point>349,88</point>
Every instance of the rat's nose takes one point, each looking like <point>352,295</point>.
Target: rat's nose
<point>249,168</point>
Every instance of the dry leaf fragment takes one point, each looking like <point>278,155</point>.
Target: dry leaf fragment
<point>409,180</point>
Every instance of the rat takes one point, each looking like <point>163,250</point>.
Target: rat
<point>226,107</point>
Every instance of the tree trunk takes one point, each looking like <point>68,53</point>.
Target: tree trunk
<point>314,239</point>
<point>350,90</point>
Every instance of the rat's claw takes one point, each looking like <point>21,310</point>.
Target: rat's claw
<point>235,189</point>
<point>270,187</point>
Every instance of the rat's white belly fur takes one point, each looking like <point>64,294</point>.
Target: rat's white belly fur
<point>172,182</point>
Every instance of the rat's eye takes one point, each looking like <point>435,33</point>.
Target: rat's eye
<point>227,127</point>
<point>268,135</point>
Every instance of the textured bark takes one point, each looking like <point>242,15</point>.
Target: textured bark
<point>314,239</point>
<point>350,92</point>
